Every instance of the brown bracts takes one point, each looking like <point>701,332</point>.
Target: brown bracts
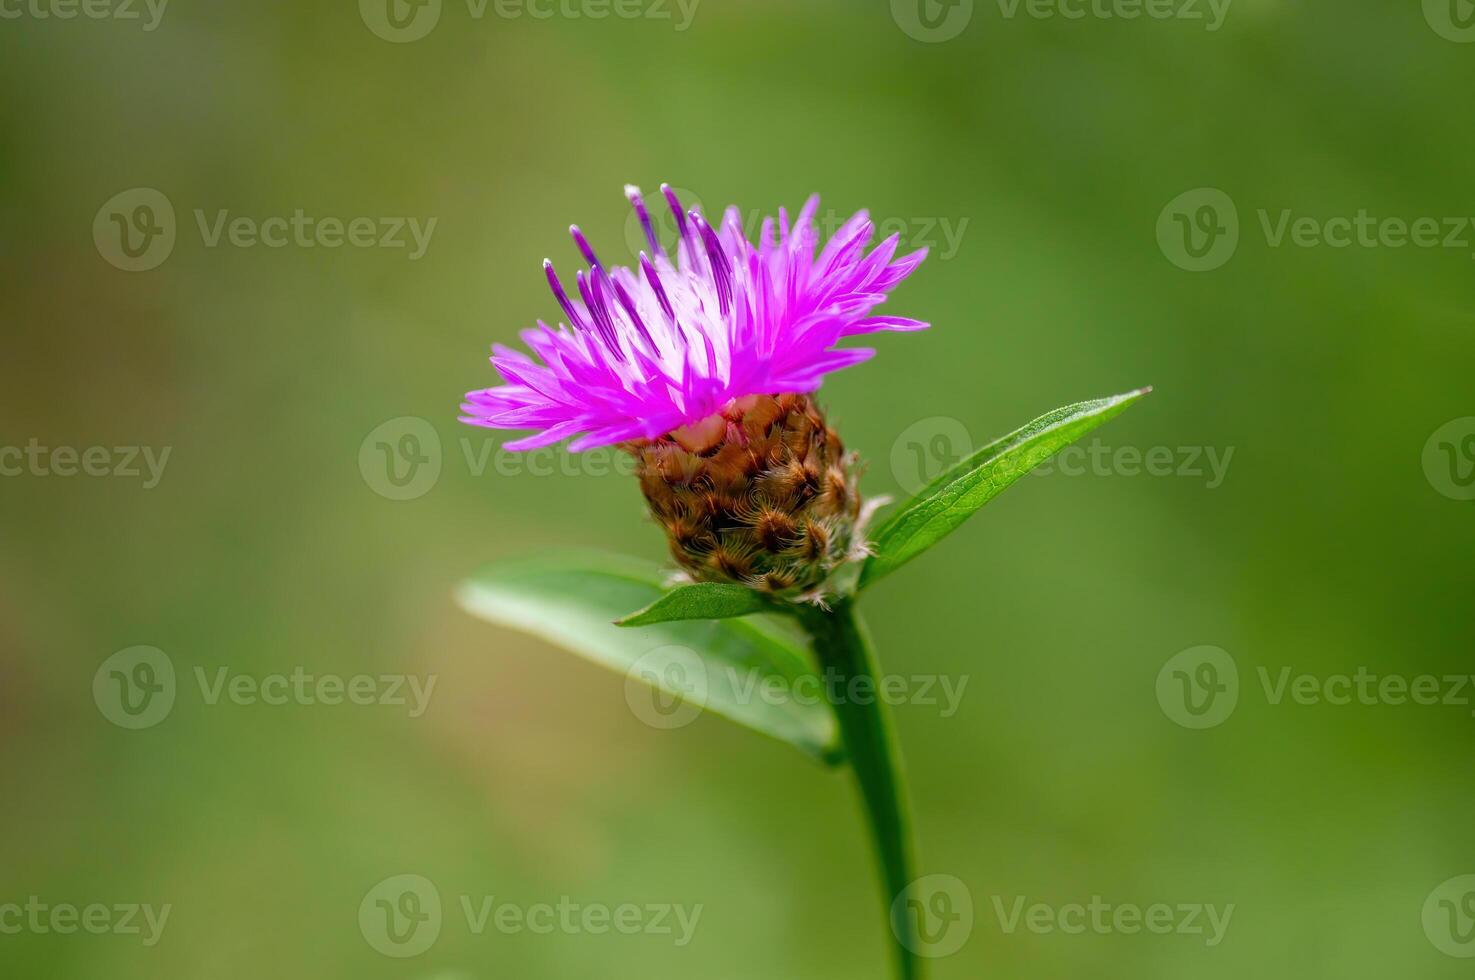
<point>762,493</point>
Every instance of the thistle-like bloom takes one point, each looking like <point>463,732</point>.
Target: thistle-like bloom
<point>647,352</point>
<point>700,364</point>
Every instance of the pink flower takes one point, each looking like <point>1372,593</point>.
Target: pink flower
<point>647,352</point>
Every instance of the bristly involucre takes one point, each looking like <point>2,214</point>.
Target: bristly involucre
<point>645,353</point>
<point>763,494</point>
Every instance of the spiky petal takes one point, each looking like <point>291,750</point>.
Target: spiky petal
<point>645,353</point>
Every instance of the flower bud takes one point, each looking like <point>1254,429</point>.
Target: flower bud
<point>761,493</point>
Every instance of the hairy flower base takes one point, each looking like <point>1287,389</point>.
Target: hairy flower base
<point>761,493</point>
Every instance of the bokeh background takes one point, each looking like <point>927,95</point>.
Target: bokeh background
<point>1052,148</point>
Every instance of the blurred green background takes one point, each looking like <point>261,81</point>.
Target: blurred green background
<point>1052,147</point>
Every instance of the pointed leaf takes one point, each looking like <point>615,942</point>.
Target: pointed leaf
<point>952,498</point>
<point>702,600</point>
<point>737,668</point>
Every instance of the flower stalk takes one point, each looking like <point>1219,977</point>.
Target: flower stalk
<point>842,644</point>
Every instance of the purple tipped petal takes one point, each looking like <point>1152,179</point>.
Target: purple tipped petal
<point>638,203</point>
<point>585,249</point>
<point>629,305</point>
<point>676,209</point>
<point>652,277</point>
<point>899,270</point>
<point>873,323</point>
<point>594,303</point>
<point>547,437</point>
<point>675,342</point>
<point>568,307</point>
<point>721,271</point>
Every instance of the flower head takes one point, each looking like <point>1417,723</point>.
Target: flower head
<point>645,353</point>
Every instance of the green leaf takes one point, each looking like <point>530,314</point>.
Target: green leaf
<point>703,600</point>
<point>952,498</point>
<point>742,669</point>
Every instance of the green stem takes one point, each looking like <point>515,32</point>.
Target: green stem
<point>844,647</point>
